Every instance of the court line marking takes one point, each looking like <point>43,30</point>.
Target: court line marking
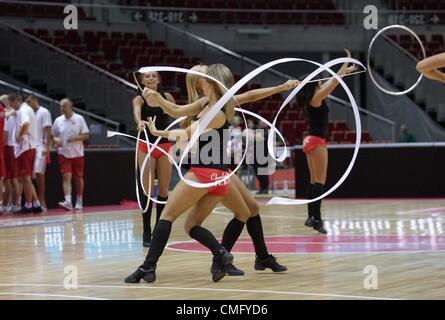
<point>313,253</point>
<point>207,289</point>
<point>219,211</point>
<point>309,253</point>
<point>421,210</point>
<point>48,295</point>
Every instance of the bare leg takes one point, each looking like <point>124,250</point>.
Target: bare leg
<point>27,189</point>
<point>66,184</point>
<point>41,188</point>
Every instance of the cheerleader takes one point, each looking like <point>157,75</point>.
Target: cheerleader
<point>159,163</point>
<point>201,200</point>
<point>254,225</point>
<point>312,99</point>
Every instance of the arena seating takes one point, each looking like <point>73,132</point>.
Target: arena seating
<point>120,53</point>
<point>419,5</point>
<point>433,44</point>
<point>240,17</point>
<point>39,11</point>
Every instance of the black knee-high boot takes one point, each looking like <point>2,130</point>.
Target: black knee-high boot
<point>206,238</point>
<point>160,207</point>
<point>147,270</point>
<point>317,190</point>
<point>232,233</point>
<point>221,257</point>
<point>310,196</point>
<point>161,234</point>
<point>316,221</point>
<point>255,229</point>
<point>146,224</point>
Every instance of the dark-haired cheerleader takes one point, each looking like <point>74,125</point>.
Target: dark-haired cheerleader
<point>312,99</point>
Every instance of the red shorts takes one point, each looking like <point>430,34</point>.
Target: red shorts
<point>25,162</point>
<point>207,175</point>
<point>71,165</point>
<point>311,142</point>
<point>2,164</point>
<point>156,153</point>
<point>12,170</point>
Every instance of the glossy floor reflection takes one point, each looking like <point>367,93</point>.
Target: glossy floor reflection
<point>42,256</point>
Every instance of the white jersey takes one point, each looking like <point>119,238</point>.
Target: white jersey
<point>43,117</point>
<point>25,114</point>
<point>10,125</point>
<point>64,128</point>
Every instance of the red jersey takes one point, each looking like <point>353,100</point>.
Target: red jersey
<point>2,124</point>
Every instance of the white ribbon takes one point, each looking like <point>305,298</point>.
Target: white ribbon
<point>230,93</point>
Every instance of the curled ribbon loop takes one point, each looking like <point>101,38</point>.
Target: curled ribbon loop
<point>230,94</point>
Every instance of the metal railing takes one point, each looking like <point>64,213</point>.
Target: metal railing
<point>396,14</point>
<point>380,128</point>
<point>68,54</point>
<point>98,125</point>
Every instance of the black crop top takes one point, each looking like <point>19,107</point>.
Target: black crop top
<point>211,151</point>
<point>318,119</point>
<point>162,119</point>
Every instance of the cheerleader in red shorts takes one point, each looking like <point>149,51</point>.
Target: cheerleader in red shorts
<point>254,225</point>
<point>312,99</point>
<point>202,201</point>
<point>159,163</point>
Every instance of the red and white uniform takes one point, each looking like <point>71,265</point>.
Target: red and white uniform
<point>43,117</point>
<point>25,149</point>
<point>12,170</point>
<point>70,154</point>
<point>2,129</point>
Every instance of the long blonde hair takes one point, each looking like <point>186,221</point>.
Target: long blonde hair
<point>224,75</point>
<point>191,81</point>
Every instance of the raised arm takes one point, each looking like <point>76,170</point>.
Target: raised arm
<point>259,94</point>
<point>429,67</point>
<point>329,86</point>
<point>174,110</point>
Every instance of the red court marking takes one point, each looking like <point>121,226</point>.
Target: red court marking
<point>332,244</point>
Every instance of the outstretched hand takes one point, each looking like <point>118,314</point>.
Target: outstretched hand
<point>290,84</point>
<point>151,124</point>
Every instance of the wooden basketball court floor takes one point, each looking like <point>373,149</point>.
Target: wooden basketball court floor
<point>401,241</point>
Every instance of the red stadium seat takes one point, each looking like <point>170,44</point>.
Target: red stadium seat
<point>340,126</point>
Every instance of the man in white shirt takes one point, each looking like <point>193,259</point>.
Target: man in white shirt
<point>70,131</point>
<point>12,185</point>
<point>43,143</point>
<point>25,151</point>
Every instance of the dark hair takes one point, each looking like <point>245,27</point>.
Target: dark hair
<point>305,95</point>
<point>30,97</point>
<point>14,97</point>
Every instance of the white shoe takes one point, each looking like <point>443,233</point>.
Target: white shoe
<point>78,207</point>
<point>66,205</point>
<point>2,209</point>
